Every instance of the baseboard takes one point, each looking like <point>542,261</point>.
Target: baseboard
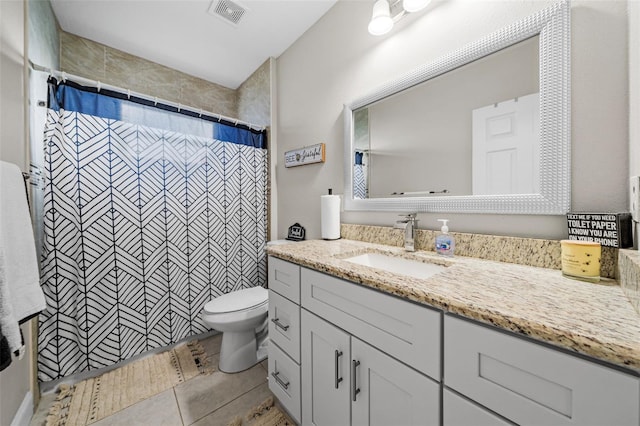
<point>25,411</point>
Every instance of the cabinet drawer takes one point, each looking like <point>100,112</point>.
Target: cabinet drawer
<point>284,279</point>
<point>461,412</point>
<point>284,381</point>
<point>284,324</point>
<point>532,384</point>
<point>404,330</point>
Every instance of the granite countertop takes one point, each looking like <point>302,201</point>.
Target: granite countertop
<point>592,319</point>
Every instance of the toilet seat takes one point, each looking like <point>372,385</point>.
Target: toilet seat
<point>239,300</point>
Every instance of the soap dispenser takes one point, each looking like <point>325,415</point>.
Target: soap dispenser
<point>445,243</point>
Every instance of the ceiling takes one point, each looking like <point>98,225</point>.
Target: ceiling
<point>183,35</point>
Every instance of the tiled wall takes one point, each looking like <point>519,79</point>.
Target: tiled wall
<point>254,96</point>
<point>86,58</point>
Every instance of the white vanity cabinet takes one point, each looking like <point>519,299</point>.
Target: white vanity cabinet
<point>531,384</point>
<point>284,334</point>
<point>345,354</point>
<point>345,378</point>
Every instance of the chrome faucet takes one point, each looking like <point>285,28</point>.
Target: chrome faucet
<point>408,224</point>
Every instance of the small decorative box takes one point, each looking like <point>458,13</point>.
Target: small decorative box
<point>296,232</point>
<point>608,229</point>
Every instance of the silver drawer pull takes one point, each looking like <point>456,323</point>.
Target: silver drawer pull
<point>355,390</point>
<point>276,321</point>
<point>338,379</point>
<point>276,376</point>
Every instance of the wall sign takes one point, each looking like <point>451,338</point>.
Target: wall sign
<point>302,156</point>
<point>608,229</point>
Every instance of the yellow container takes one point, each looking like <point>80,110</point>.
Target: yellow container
<point>581,260</point>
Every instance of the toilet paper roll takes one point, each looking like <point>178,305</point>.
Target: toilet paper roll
<point>330,216</point>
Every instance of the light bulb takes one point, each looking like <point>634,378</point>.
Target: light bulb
<point>414,5</point>
<point>381,22</point>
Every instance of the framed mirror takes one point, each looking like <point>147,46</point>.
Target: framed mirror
<point>483,129</point>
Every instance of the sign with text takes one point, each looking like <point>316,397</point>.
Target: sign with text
<point>608,229</point>
<point>302,156</point>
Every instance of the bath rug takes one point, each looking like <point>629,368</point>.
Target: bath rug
<point>93,399</point>
<point>265,414</point>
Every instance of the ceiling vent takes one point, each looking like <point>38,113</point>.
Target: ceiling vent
<point>229,11</point>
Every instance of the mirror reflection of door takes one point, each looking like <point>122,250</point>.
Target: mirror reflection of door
<point>505,152</point>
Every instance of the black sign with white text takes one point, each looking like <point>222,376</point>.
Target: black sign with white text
<point>608,229</point>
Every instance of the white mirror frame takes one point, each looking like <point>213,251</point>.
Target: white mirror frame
<point>553,24</point>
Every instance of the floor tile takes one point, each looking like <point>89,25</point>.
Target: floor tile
<point>212,344</point>
<point>161,409</point>
<point>237,407</point>
<point>202,395</point>
<point>265,365</point>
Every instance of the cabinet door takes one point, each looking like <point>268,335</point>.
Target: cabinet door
<point>387,392</point>
<point>325,373</point>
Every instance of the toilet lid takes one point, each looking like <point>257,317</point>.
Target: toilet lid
<point>238,300</point>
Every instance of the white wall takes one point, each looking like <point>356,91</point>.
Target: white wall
<point>337,61</point>
<point>634,93</point>
<point>11,82</point>
<point>15,381</point>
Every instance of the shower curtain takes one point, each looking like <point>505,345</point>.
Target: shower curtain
<point>360,179</point>
<point>142,227</point>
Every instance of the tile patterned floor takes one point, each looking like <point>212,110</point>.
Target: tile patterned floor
<point>212,400</point>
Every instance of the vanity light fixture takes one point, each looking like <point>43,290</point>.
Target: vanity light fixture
<point>381,22</point>
<point>414,5</point>
<point>387,12</point>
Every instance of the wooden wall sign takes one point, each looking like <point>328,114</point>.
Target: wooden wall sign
<point>302,156</point>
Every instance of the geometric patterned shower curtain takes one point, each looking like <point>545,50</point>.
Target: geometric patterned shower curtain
<point>142,227</point>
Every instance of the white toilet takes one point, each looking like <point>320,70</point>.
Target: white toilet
<point>241,316</point>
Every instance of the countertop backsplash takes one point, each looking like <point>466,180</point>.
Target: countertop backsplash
<point>521,251</point>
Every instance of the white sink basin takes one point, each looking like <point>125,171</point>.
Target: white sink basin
<point>397,265</point>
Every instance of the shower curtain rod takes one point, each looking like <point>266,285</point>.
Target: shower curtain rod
<point>98,85</point>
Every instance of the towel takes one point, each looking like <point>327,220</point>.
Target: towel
<point>20,293</point>
<point>5,353</point>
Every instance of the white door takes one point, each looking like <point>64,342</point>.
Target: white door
<point>505,152</point>
<point>388,392</point>
<point>325,373</point>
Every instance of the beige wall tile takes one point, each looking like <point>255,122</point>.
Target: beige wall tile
<point>254,97</point>
<point>96,61</point>
<point>82,57</point>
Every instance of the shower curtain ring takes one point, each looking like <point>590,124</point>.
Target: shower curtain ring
<point>128,93</point>
<point>99,84</point>
<point>155,101</point>
<point>179,107</point>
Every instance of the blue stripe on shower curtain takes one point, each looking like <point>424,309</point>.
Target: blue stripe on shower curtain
<point>142,226</point>
<point>106,103</point>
